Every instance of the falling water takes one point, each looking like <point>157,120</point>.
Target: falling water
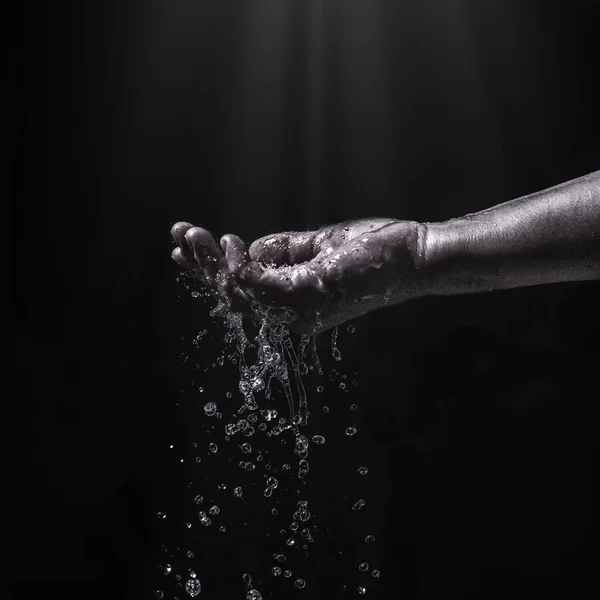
<point>276,363</point>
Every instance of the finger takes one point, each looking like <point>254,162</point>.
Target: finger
<point>178,232</point>
<point>290,247</point>
<point>178,256</point>
<point>239,262</point>
<point>190,265</point>
<point>209,257</point>
<point>203,245</point>
<point>236,253</point>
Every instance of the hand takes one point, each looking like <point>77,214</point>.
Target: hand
<point>327,276</point>
<point>216,267</point>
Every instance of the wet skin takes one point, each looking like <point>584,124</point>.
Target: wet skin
<point>327,276</point>
<point>342,271</point>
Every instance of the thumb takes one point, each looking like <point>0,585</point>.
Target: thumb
<point>289,247</point>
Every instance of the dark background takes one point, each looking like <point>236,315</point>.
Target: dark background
<point>478,414</point>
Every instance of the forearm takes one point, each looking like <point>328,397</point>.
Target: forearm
<point>547,237</point>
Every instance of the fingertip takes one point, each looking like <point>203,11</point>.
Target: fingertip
<point>192,234</point>
<point>180,228</point>
<point>178,257</point>
<point>227,240</point>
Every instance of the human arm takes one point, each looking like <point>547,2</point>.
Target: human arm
<point>345,270</point>
<point>550,236</point>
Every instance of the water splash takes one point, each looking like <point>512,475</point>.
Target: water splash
<point>193,587</point>
<point>268,363</point>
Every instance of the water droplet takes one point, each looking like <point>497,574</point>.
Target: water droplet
<point>353,406</point>
<point>237,492</point>
<point>222,529</point>
<point>370,539</point>
<point>193,587</point>
<point>246,448</point>
<point>287,573</point>
<point>159,593</point>
<point>285,467</point>
<point>354,382</point>
<point>300,583</point>
<point>204,519</point>
<point>375,573</point>
<point>342,386</point>
<point>213,447</point>
<point>279,557</point>
<point>228,395</point>
<point>362,470</point>
<point>350,329</point>
<point>325,409</point>
<point>358,504</point>
<point>290,541</point>
<point>274,512</point>
<point>320,388</point>
<point>364,566</point>
<point>276,571</point>
<point>189,554</point>
<point>318,439</point>
<point>210,408</point>
<point>302,514</point>
<point>350,430</point>
<point>294,526</point>
<point>272,482</point>
<point>301,444</point>
<point>303,468</point>
<point>214,510</point>
<point>269,414</point>
<point>198,499</point>
<point>268,492</point>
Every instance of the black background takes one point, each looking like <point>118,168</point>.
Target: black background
<point>478,414</point>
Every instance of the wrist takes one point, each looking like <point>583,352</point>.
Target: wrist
<point>447,261</point>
